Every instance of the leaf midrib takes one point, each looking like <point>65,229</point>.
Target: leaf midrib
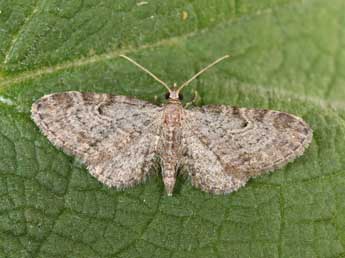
<point>7,80</point>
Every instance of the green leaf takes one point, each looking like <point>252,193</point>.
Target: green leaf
<point>286,55</point>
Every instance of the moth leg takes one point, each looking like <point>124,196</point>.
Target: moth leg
<point>195,99</point>
<point>156,100</point>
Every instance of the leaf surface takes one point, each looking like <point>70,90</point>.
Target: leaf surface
<point>286,55</point>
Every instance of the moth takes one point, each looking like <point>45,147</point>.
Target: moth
<point>120,138</point>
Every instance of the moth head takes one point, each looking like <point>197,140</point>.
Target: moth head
<point>174,94</point>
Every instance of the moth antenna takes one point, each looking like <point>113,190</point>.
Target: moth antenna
<point>147,71</point>
<point>202,71</point>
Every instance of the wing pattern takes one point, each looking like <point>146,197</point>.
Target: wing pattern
<point>114,136</point>
<point>225,146</point>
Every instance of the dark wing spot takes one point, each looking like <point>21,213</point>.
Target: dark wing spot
<point>302,128</point>
<point>104,108</point>
<point>235,111</point>
<point>260,114</point>
<point>62,99</point>
<point>88,97</point>
<point>283,120</point>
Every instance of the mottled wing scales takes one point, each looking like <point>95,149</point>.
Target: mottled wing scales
<point>114,136</point>
<point>225,146</point>
<point>205,169</point>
